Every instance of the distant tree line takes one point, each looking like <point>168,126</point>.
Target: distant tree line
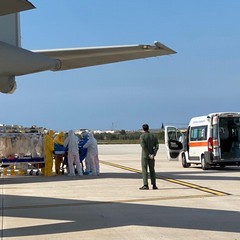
<point>123,136</point>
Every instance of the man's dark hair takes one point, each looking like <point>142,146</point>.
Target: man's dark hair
<point>145,127</point>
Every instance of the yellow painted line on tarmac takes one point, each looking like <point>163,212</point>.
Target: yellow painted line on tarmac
<point>194,186</point>
<point>161,198</point>
<point>120,166</point>
<point>186,184</point>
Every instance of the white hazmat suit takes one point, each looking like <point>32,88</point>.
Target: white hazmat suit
<point>92,155</point>
<point>71,142</point>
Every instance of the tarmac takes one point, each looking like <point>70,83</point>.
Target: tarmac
<point>189,204</point>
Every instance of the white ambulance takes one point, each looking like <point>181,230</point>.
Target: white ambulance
<point>211,140</point>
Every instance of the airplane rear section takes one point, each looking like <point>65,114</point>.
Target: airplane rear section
<point>16,61</point>
<point>24,62</point>
<point>10,35</point>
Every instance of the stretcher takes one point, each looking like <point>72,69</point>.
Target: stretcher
<point>62,151</point>
<point>25,165</point>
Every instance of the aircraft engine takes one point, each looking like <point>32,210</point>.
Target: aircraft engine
<point>7,84</point>
<point>16,61</point>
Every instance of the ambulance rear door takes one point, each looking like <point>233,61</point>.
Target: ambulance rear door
<point>174,142</point>
<point>220,136</point>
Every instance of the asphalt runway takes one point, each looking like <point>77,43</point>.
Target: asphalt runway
<point>189,204</point>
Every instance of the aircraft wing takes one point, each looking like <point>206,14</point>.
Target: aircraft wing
<point>14,6</point>
<point>84,57</point>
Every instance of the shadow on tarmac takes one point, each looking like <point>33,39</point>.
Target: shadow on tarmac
<point>180,175</point>
<point>92,215</point>
<point>200,175</point>
<point>37,179</point>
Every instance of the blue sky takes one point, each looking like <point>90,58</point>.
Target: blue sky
<point>203,77</point>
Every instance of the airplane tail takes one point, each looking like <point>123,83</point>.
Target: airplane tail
<point>10,29</point>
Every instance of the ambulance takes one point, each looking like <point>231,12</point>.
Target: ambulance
<point>211,140</point>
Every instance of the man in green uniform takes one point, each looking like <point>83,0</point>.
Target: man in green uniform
<point>150,145</point>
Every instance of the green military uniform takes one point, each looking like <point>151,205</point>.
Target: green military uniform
<point>150,145</point>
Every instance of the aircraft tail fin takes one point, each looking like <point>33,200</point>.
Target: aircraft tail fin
<point>10,29</point>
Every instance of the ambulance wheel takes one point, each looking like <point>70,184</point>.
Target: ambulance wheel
<point>205,165</point>
<point>31,172</point>
<point>37,172</point>
<point>184,162</point>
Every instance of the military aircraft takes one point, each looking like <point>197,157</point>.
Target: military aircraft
<point>16,61</point>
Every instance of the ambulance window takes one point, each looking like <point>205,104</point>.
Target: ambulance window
<point>198,133</point>
<point>179,135</point>
<point>173,133</point>
<point>193,134</point>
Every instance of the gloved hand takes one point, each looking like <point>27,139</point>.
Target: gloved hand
<point>151,156</point>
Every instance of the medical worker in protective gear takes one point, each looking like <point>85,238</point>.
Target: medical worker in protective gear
<point>59,140</point>
<point>83,151</point>
<point>48,153</point>
<point>71,142</point>
<point>85,138</point>
<point>92,155</point>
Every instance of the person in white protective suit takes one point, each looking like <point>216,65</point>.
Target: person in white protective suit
<point>71,142</point>
<point>92,155</point>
